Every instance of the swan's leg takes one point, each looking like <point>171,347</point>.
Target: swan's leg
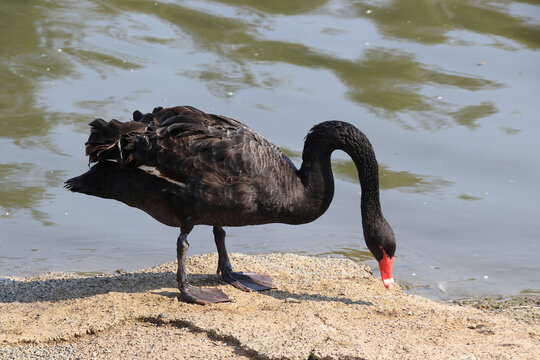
<point>243,281</point>
<point>224,264</point>
<point>188,292</point>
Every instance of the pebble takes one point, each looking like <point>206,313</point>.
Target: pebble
<point>164,317</point>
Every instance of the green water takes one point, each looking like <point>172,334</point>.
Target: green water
<point>448,92</point>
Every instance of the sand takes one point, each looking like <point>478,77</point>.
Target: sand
<point>323,308</point>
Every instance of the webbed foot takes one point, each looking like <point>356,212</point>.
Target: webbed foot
<point>196,295</point>
<point>248,281</point>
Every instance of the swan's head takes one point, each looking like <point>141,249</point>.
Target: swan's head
<point>381,241</point>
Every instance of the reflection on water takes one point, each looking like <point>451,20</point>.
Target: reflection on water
<point>284,7</point>
<point>438,87</point>
<point>351,253</point>
<point>28,59</point>
<point>468,115</point>
<point>17,194</point>
<point>433,22</point>
<point>469,197</point>
<point>388,81</point>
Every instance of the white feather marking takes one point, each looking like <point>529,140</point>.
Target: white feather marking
<point>153,171</point>
<point>120,150</point>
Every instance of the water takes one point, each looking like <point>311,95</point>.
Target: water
<point>446,91</point>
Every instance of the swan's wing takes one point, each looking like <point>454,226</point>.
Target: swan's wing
<point>188,145</point>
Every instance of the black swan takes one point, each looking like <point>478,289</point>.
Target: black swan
<point>185,167</point>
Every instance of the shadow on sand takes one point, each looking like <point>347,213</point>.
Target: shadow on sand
<point>56,289</point>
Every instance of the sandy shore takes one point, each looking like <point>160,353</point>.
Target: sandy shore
<point>322,309</point>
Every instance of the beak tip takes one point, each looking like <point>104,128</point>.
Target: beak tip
<point>389,283</point>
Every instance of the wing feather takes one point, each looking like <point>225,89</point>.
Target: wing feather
<point>188,145</point>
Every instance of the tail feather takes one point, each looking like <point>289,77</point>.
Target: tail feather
<point>97,181</point>
<point>107,139</point>
<point>78,184</point>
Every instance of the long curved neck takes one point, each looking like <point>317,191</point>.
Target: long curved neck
<point>316,171</point>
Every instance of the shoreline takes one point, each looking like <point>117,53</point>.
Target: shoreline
<point>457,297</point>
<point>323,308</point>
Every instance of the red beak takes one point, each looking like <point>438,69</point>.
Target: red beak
<point>386,270</point>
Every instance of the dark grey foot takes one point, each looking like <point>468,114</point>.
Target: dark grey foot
<point>248,281</point>
<point>202,296</point>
